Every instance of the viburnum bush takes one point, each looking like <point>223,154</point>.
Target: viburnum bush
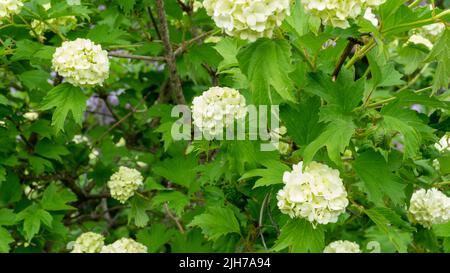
<point>102,103</point>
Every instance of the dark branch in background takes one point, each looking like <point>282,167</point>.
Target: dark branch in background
<point>348,49</point>
<point>170,55</point>
<point>184,7</point>
<point>155,25</point>
<point>136,57</point>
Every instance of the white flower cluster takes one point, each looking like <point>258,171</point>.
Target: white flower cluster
<point>419,40</point>
<point>10,7</point>
<point>124,245</point>
<point>316,194</point>
<point>444,144</point>
<point>40,27</point>
<point>248,19</point>
<point>342,247</point>
<point>88,242</point>
<point>430,207</point>
<point>338,12</point>
<point>124,183</point>
<point>217,109</point>
<point>81,62</point>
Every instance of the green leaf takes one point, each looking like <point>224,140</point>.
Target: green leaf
<point>155,237</point>
<point>138,212</point>
<point>7,217</point>
<point>441,53</point>
<point>32,218</point>
<point>267,64</point>
<point>216,222</point>
<point>10,190</point>
<point>409,97</point>
<point>272,174</point>
<point>302,120</point>
<point>378,179</point>
<point>383,217</point>
<point>66,98</point>
<point>36,80</point>
<point>5,240</point>
<point>126,5</point>
<point>342,96</point>
<point>406,122</point>
<point>174,199</point>
<point>442,230</point>
<point>55,199</point>
<point>48,149</point>
<point>179,170</point>
<point>335,137</point>
<point>300,237</point>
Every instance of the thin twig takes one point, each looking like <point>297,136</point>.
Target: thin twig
<point>174,218</point>
<point>348,49</point>
<point>170,55</point>
<point>137,57</point>
<point>260,222</point>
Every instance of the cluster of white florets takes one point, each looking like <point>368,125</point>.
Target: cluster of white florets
<point>430,207</point>
<point>124,245</point>
<point>81,62</point>
<point>10,7</point>
<point>444,144</point>
<point>248,19</point>
<point>338,12</point>
<point>124,183</point>
<point>316,193</point>
<point>342,247</point>
<point>88,242</point>
<point>217,108</point>
<point>40,27</point>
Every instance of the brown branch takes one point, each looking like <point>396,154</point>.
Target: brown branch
<point>137,57</point>
<point>170,55</point>
<point>200,37</point>
<point>175,219</point>
<point>348,49</point>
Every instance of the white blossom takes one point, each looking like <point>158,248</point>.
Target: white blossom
<point>124,245</point>
<point>342,247</point>
<point>217,109</point>
<point>10,7</point>
<point>31,116</point>
<point>420,40</point>
<point>338,12</point>
<point>81,62</point>
<point>248,19</point>
<point>430,207</point>
<point>124,183</point>
<point>316,194</point>
<point>88,242</point>
<point>444,144</point>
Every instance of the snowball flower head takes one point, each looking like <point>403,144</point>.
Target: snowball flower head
<point>248,19</point>
<point>10,7</point>
<point>430,207</point>
<point>81,62</point>
<point>338,12</point>
<point>124,245</point>
<point>316,193</point>
<point>124,183</point>
<point>342,247</point>
<point>433,30</point>
<point>444,144</point>
<point>88,242</point>
<point>217,109</point>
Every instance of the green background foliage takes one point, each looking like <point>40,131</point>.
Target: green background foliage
<point>220,196</point>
